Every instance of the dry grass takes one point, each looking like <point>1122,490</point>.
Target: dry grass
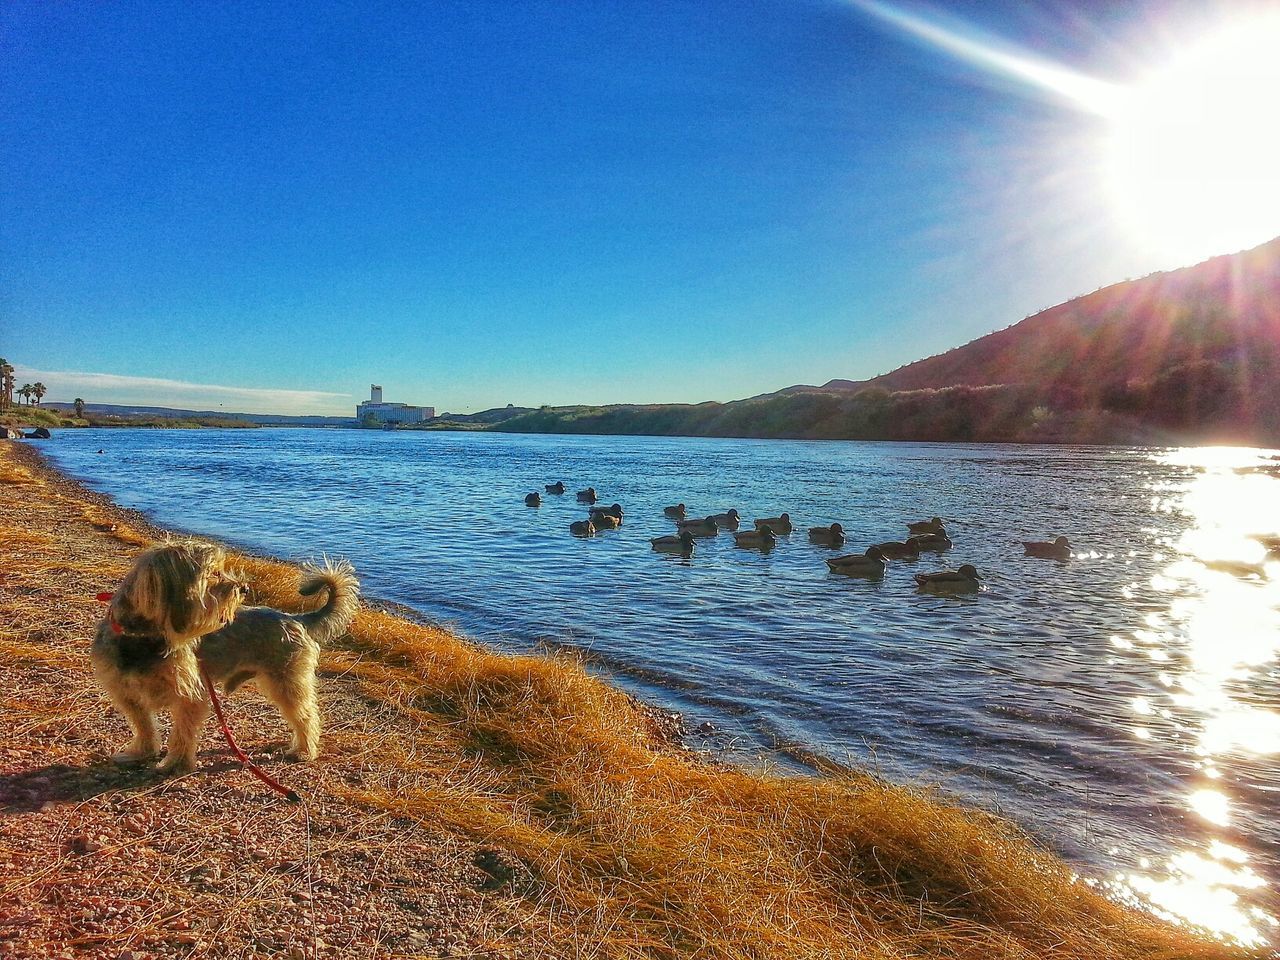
<point>623,846</point>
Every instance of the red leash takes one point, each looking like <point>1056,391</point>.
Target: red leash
<point>290,795</point>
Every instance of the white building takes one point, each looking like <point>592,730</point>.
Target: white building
<point>383,413</point>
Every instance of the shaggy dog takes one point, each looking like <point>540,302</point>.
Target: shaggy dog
<point>179,610</point>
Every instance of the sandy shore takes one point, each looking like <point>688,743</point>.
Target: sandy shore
<point>465,804</point>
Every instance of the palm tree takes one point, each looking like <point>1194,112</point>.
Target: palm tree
<point>78,403</point>
<point>38,390</point>
<point>6,384</point>
<point>25,392</point>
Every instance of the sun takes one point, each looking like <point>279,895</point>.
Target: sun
<point>1193,150</point>
<point>1190,154</point>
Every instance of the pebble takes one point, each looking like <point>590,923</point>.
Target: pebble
<point>82,844</point>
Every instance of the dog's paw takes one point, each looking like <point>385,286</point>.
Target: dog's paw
<point>133,755</point>
<point>176,764</point>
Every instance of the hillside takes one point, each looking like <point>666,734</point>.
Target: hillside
<point>1225,311</point>
<point>1192,355</point>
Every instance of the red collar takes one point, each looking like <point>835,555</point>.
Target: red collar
<point>111,620</point>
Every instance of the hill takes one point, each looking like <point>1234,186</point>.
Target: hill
<point>1223,313</point>
<point>106,411</point>
<point>1191,355</point>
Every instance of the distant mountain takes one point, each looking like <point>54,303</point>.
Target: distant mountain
<point>173,413</point>
<point>1191,355</point>
<point>494,415</point>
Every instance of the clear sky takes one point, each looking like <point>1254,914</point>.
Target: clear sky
<point>480,203</point>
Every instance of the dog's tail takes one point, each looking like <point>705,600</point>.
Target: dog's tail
<point>331,620</point>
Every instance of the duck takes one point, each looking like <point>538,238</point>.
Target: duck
<point>931,541</point>
<point>1237,568</point>
<point>869,564</point>
<point>675,513</point>
<point>964,580</point>
<point>614,511</point>
<point>533,500</point>
<point>932,525</point>
<point>582,528</point>
<point>706,527</point>
<point>682,544</point>
<point>904,550</point>
<point>762,538</point>
<point>832,536</point>
<point>1060,549</point>
<point>557,487</point>
<point>587,496</point>
<point>729,520</point>
<point>780,524</point>
<point>606,521</point>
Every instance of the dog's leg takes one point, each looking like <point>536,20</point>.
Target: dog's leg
<point>188,717</point>
<point>296,698</point>
<point>145,743</point>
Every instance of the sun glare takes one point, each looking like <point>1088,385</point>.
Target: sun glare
<point>1193,154</point>
<point>1190,159</point>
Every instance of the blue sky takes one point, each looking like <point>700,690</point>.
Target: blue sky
<point>481,203</point>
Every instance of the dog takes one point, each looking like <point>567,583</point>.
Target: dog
<point>180,609</point>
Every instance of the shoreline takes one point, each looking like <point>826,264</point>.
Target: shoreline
<point>1153,439</point>
<point>599,839</point>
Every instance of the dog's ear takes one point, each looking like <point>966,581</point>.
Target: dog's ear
<point>177,587</point>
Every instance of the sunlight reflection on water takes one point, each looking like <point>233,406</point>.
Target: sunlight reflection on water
<point>1221,634</point>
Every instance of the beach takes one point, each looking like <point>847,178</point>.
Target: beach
<point>466,803</point>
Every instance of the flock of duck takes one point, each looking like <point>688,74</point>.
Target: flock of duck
<point>923,536</point>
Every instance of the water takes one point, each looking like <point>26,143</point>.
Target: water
<point>1122,706</point>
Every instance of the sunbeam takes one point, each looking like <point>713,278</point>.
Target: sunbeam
<point>999,57</point>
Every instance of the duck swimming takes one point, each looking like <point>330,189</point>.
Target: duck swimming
<point>606,521</point>
<point>780,524</point>
<point>615,511</point>
<point>675,513</point>
<point>832,536</point>
<point>582,528</point>
<point>682,544</point>
<point>557,487</point>
<point>932,541</point>
<point>729,520</point>
<point>933,525</point>
<point>1060,549</point>
<point>1237,568</point>
<point>533,500</point>
<point>871,564</point>
<point>587,496</point>
<point>760,539</point>
<point>906,550</point>
<point>705,527</point>
<point>964,580</point>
